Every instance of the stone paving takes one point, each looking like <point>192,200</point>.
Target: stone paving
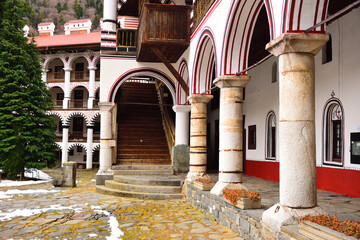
<point>81,213</point>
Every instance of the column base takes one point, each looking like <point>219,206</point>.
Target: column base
<point>102,175</point>
<point>279,215</point>
<point>191,176</point>
<point>180,158</point>
<point>220,186</point>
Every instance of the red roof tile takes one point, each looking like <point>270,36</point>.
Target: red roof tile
<point>66,40</point>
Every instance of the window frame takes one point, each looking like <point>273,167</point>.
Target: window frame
<point>328,134</point>
<point>252,133</point>
<point>270,117</point>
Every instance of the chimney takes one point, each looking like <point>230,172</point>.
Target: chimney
<point>46,29</point>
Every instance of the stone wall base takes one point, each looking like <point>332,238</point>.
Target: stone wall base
<point>245,222</point>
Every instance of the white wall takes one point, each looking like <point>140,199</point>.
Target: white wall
<point>261,97</point>
<point>342,75</point>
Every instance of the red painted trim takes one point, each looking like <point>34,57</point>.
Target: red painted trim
<point>291,21</point>
<point>268,170</point>
<point>250,30</point>
<point>299,16</point>
<point>339,180</point>
<point>225,40</point>
<point>233,39</point>
<point>316,11</point>
<point>325,7</point>
<point>209,72</point>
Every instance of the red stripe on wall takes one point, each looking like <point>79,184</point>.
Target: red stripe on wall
<point>339,180</point>
<point>335,180</point>
<point>266,170</point>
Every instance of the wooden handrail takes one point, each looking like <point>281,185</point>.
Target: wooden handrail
<point>168,124</point>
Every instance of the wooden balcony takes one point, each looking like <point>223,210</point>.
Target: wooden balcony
<point>165,27</point>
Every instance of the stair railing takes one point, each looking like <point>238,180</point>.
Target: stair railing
<point>167,122</point>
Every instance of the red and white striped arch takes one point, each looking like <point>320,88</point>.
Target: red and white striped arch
<point>237,39</point>
<point>292,16</point>
<point>205,58</point>
<point>181,97</point>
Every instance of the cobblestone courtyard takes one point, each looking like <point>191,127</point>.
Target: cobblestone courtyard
<point>81,213</point>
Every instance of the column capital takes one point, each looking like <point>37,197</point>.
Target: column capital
<point>181,108</point>
<point>92,68</point>
<point>199,98</point>
<point>297,43</point>
<point>106,106</point>
<point>232,81</point>
<point>68,69</point>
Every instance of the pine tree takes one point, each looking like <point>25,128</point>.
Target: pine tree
<point>78,10</point>
<point>26,131</point>
<point>65,6</point>
<point>61,20</point>
<point>58,7</point>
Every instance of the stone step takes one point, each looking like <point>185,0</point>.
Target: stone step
<point>142,167</point>
<point>150,180</point>
<point>143,172</point>
<point>142,188</point>
<point>147,155</point>
<point>144,161</point>
<point>141,195</point>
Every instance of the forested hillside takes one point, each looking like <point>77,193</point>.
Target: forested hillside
<point>62,11</point>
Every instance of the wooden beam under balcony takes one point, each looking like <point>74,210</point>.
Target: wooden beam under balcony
<point>167,63</point>
<point>165,27</point>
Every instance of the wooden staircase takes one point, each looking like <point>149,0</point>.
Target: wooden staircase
<point>140,137</point>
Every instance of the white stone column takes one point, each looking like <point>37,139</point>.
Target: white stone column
<point>182,124</point>
<point>89,144</point>
<point>67,88</point>
<point>110,15</point>
<point>230,131</point>
<point>44,75</point>
<point>65,145</point>
<point>296,127</point>
<point>91,87</point>
<point>198,147</point>
<point>106,142</point>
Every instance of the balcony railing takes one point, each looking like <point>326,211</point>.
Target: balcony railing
<point>76,76</point>
<point>126,40</point>
<point>55,77</point>
<point>78,103</point>
<point>58,103</point>
<point>77,136</point>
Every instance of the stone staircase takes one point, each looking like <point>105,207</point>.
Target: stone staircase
<point>141,137</point>
<point>144,182</point>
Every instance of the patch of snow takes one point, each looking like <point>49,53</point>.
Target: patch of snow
<point>10,193</point>
<point>116,233</point>
<point>92,235</point>
<point>37,174</point>
<point>93,180</point>
<point>10,183</point>
<point>29,212</point>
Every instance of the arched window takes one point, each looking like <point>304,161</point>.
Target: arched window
<point>270,136</point>
<point>333,129</point>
